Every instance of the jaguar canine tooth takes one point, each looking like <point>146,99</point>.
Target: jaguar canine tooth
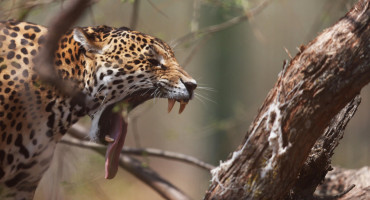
<point>171,103</point>
<point>108,139</point>
<point>182,106</point>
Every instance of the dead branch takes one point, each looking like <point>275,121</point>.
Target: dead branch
<point>316,85</point>
<point>136,168</point>
<point>219,27</point>
<point>57,27</point>
<point>337,181</point>
<point>79,133</point>
<point>151,178</point>
<point>157,9</point>
<point>23,8</point>
<point>143,152</point>
<point>194,51</point>
<point>24,12</point>
<point>167,155</point>
<point>334,197</point>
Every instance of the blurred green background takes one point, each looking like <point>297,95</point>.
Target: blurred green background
<point>240,64</point>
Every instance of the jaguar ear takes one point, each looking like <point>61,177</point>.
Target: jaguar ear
<point>87,41</point>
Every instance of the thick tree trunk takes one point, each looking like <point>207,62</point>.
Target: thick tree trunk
<point>311,90</point>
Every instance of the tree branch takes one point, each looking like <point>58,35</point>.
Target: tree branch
<point>168,155</point>
<point>24,12</point>
<point>334,197</point>
<point>57,27</point>
<point>219,27</point>
<point>338,181</point>
<point>157,9</point>
<point>80,133</point>
<point>136,168</point>
<point>194,51</point>
<point>152,179</point>
<point>142,152</point>
<point>322,79</point>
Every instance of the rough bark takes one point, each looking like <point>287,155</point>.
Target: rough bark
<point>318,162</point>
<point>311,90</point>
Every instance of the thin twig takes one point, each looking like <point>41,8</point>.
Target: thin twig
<point>337,196</point>
<point>78,135</point>
<point>26,5</point>
<point>157,9</point>
<point>222,26</point>
<point>194,51</point>
<point>11,9</point>
<point>135,14</point>
<point>26,11</point>
<point>167,155</point>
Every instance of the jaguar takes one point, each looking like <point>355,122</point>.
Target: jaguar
<point>109,66</point>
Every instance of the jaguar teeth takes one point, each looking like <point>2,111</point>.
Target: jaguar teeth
<point>171,103</point>
<point>182,106</point>
<point>108,139</point>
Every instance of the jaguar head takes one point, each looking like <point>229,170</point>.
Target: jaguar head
<point>130,67</point>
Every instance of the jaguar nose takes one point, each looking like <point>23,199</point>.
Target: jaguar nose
<point>190,87</point>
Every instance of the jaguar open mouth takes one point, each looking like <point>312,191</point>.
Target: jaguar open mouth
<point>110,127</point>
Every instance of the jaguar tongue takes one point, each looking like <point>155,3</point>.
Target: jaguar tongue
<point>118,134</point>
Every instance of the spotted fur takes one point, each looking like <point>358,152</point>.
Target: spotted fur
<point>106,64</point>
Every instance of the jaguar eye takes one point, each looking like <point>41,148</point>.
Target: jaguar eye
<point>154,62</point>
